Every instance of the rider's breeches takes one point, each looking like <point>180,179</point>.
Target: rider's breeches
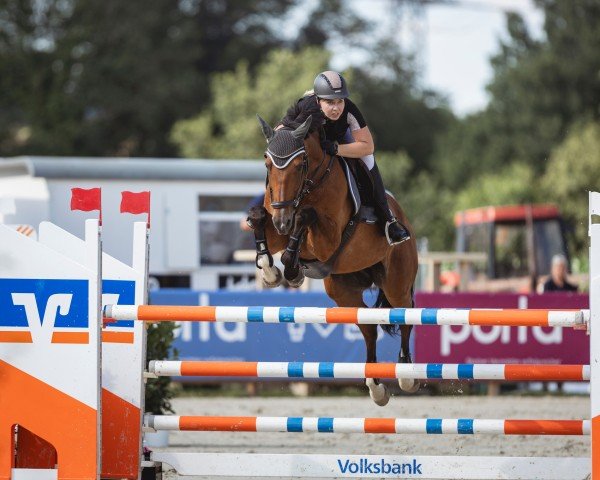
<point>368,160</point>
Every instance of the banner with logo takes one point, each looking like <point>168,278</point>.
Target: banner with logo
<point>472,344</point>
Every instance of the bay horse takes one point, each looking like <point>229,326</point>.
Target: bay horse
<point>308,214</point>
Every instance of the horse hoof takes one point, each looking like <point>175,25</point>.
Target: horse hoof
<point>409,385</point>
<point>276,278</point>
<point>379,394</point>
<point>298,281</point>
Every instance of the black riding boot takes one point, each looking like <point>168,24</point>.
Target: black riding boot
<point>394,230</point>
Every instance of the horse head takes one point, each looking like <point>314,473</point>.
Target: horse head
<point>286,159</point>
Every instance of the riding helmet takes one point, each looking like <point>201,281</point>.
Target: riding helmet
<point>330,85</point>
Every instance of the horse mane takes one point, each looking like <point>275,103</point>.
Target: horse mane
<point>292,122</point>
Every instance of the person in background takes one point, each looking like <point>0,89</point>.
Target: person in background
<point>557,282</point>
<point>256,201</point>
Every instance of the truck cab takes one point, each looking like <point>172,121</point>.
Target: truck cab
<point>519,241</point>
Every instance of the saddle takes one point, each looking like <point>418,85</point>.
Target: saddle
<point>359,191</point>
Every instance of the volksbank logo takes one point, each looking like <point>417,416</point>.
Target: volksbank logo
<point>365,466</point>
<point>44,311</point>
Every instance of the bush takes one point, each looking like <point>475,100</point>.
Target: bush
<point>159,391</point>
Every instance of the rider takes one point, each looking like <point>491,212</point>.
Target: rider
<point>347,135</point>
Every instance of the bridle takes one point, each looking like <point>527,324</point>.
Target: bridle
<point>307,185</point>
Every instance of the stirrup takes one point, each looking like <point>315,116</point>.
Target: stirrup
<point>387,233</point>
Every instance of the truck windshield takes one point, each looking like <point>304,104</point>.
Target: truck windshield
<point>510,242</point>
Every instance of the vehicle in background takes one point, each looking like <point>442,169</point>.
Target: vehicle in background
<point>519,240</point>
<point>196,208</point>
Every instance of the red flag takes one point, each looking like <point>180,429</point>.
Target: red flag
<point>136,203</point>
<point>86,200</point>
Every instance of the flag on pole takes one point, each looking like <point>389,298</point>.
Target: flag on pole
<point>87,200</point>
<point>136,203</point>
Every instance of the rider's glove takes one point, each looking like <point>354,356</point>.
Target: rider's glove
<point>331,148</point>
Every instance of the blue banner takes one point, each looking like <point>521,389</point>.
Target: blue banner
<point>269,342</point>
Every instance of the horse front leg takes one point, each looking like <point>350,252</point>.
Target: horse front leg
<point>305,218</point>
<point>257,220</point>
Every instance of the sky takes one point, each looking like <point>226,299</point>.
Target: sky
<point>456,43</point>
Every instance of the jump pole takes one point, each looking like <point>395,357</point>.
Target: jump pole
<point>430,426</point>
<point>332,370</point>
<point>337,315</point>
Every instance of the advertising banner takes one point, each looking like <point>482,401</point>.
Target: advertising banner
<point>467,344</point>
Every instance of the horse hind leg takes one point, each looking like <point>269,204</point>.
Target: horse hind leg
<point>409,385</point>
<point>345,293</point>
<point>378,392</point>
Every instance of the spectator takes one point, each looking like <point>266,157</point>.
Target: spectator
<point>557,282</point>
<point>256,201</point>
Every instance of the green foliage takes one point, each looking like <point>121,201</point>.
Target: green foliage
<point>539,88</point>
<point>158,390</point>
<point>111,77</point>
<point>428,206</point>
<point>228,128</point>
<point>573,170</point>
<point>400,115</point>
<point>511,185</point>
<point>332,20</point>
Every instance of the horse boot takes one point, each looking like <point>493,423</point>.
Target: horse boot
<point>395,232</point>
<point>257,218</point>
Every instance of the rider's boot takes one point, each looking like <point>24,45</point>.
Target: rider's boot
<point>395,232</point>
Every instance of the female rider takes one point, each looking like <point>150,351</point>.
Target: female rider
<point>347,135</point>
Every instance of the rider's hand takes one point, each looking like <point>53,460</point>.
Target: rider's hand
<point>331,148</point>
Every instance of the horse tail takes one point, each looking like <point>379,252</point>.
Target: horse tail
<point>383,302</point>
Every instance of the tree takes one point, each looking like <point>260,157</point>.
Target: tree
<point>513,184</point>
<point>332,21</point>
<point>400,114</point>
<point>228,127</point>
<point>573,170</point>
<point>428,206</point>
<point>81,77</point>
<point>539,88</point>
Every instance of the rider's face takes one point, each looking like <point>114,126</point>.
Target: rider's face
<point>332,108</point>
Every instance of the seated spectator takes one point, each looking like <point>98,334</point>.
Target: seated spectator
<point>557,282</point>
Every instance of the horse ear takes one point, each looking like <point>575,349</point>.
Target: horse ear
<point>301,131</point>
<point>265,127</point>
